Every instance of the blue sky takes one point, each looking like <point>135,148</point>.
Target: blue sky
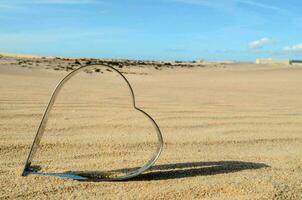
<point>158,29</point>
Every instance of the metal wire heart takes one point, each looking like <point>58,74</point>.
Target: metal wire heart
<point>29,170</point>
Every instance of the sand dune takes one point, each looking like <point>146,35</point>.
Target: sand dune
<point>231,131</point>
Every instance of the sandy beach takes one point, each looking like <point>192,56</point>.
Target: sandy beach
<point>231,130</point>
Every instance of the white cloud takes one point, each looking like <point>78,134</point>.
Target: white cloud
<point>258,4</point>
<point>260,43</point>
<point>230,3</point>
<point>293,49</point>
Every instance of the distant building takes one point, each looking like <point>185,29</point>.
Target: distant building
<point>271,61</point>
<point>296,62</point>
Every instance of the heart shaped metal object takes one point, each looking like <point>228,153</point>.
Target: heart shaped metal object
<point>29,170</point>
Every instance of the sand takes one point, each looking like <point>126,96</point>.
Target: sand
<point>231,131</point>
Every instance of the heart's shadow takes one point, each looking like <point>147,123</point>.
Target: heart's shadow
<point>193,169</point>
<point>168,171</point>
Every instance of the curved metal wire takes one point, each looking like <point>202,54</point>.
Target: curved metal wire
<point>27,169</point>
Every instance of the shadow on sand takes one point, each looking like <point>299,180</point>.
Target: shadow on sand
<point>166,171</point>
<point>181,170</point>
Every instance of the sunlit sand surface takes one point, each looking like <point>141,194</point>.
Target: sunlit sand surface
<point>231,131</point>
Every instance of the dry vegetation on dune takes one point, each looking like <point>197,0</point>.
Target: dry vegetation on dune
<point>124,65</point>
<point>231,131</point>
